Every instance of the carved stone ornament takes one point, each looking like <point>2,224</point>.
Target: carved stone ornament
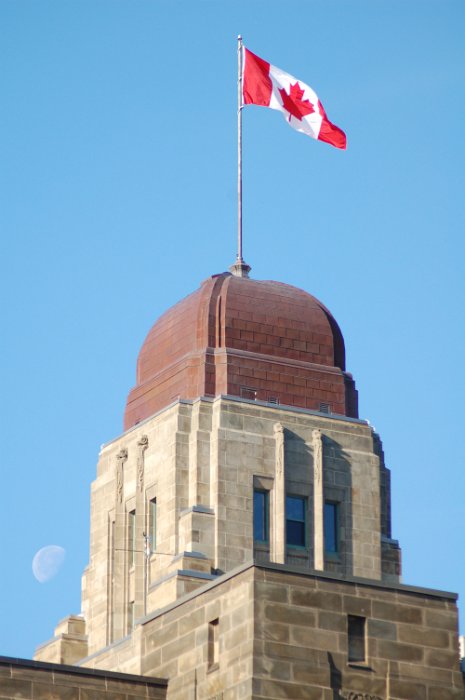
<point>144,441</point>
<point>119,484</point>
<point>142,444</point>
<point>279,437</point>
<point>318,455</point>
<point>121,457</point>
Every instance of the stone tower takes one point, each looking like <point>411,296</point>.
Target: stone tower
<point>240,526</point>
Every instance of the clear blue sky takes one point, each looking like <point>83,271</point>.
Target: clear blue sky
<point>118,196</point>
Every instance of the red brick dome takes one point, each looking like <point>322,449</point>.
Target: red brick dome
<point>253,339</point>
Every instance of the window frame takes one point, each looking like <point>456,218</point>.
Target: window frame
<point>152,524</point>
<point>131,532</point>
<point>304,500</point>
<point>265,524</point>
<point>213,643</point>
<point>336,525</point>
<point>356,640</point>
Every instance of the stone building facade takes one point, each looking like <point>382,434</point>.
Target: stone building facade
<point>241,541</point>
<point>31,680</point>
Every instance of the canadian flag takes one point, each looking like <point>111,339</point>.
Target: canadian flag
<point>268,86</point>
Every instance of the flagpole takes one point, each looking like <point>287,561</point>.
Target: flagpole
<point>239,148</point>
<point>240,267</point>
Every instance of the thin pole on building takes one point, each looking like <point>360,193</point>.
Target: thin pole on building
<point>240,267</point>
<point>239,149</point>
<point>147,552</point>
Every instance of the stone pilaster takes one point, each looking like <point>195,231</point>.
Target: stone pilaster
<point>318,501</point>
<point>278,543</point>
<point>141,520</point>
<point>199,457</point>
<point>117,614</point>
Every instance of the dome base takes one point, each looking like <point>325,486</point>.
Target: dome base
<point>240,268</point>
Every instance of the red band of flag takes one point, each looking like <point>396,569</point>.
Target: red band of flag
<point>268,86</point>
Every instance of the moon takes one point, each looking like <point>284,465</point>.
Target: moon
<point>47,562</point>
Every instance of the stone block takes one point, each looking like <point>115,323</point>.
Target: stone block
<point>276,650</point>
<point>311,675</point>
<point>272,668</point>
<point>316,639</point>
<point>316,599</point>
<point>274,631</point>
<point>151,662</point>
<point>83,694</point>
<point>161,635</point>
<point>441,658</point>
<point>271,592</point>
<point>424,636</point>
<point>287,691</point>
<point>41,691</point>
<point>16,688</point>
<point>395,651</point>
<point>397,613</point>
<point>443,619</point>
<point>405,690</point>
<point>353,605</point>
<point>190,622</point>
<point>425,673</point>
<point>289,615</point>
<point>364,681</point>
<point>445,693</point>
<point>382,629</point>
<point>332,621</point>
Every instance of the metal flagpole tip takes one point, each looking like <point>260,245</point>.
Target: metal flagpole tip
<point>239,37</point>
<point>240,268</point>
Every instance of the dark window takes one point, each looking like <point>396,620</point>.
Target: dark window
<point>261,516</point>
<point>131,536</point>
<point>356,635</point>
<point>153,524</point>
<point>296,507</point>
<point>213,644</point>
<point>331,527</point>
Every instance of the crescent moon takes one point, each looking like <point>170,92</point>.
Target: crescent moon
<point>47,562</point>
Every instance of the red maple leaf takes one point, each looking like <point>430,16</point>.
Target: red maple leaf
<point>293,102</point>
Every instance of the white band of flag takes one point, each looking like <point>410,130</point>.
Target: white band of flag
<point>268,86</point>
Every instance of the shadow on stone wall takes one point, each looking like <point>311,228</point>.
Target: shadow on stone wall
<point>338,487</point>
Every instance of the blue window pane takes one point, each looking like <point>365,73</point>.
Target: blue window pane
<point>295,534</point>
<point>331,527</point>
<point>260,516</point>
<point>295,521</point>
<point>295,508</point>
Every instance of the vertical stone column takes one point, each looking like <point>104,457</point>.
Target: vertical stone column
<point>318,501</point>
<point>278,543</point>
<point>120,557</point>
<point>140,558</point>
<point>216,450</point>
<point>199,456</point>
<point>181,470</point>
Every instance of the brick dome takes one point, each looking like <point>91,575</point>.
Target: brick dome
<point>253,339</point>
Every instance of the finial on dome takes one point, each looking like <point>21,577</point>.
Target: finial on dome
<point>240,268</point>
